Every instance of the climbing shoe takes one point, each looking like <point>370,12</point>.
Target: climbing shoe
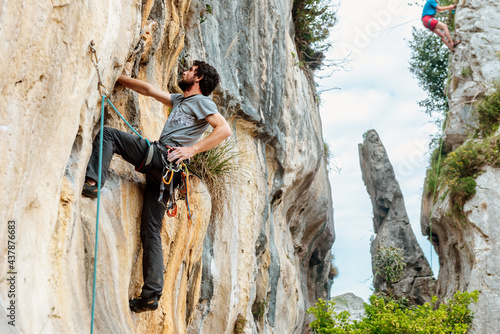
<point>89,191</point>
<point>141,304</point>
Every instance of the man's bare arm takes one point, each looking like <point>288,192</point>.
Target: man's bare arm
<point>220,132</point>
<point>146,89</point>
<point>440,9</point>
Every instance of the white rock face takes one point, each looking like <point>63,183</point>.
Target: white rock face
<point>271,242</point>
<point>475,65</point>
<point>483,213</point>
<point>351,303</point>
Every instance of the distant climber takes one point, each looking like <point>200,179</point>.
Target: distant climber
<point>439,28</point>
<point>192,113</point>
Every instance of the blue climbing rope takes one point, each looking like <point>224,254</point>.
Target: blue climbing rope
<point>130,126</point>
<point>103,102</point>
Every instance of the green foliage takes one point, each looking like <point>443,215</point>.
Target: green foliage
<point>259,309</point>
<point>384,315</point>
<point>327,152</point>
<point>460,168</point>
<point>429,62</point>
<point>332,164</point>
<point>487,113</point>
<point>218,167</point>
<point>389,317</point>
<point>313,20</point>
<point>327,321</point>
<point>204,13</point>
<point>217,162</point>
<point>447,17</point>
<point>429,65</point>
<point>466,72</point>
<point>389,264</point>
<point>239,324</point>
<point>433,181</point>
<point>365,135</point>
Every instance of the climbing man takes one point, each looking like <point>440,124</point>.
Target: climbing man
<point>192,113</point>
<point>439,28</point>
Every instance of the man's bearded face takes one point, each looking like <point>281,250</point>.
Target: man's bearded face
<point>185,84</point>
<point>188,79</point>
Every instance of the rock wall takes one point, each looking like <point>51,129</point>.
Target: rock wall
<point>391,224</point>
<point>474,66</point>
<point>468,246</point>
<point>269,242</point>
<point>351,303</point>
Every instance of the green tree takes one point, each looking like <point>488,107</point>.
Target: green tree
<point>313,20</point>
<point>385,315</point>
<point>429,65</point>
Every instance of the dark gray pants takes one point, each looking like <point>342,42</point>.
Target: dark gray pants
<point>133,149</point>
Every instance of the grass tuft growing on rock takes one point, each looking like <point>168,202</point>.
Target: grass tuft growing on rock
<point>239,324</point>
<point>259,309</point>
<point>219,167</point>
<point>487,113</point>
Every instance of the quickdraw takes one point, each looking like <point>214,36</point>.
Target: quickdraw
<point>169,169</point>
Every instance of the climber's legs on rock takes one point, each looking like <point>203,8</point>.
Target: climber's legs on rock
<point>442,31</point>
<point>141,304</point>
<point>152,256</point>
<point>130,147</point>
<point>133,149</point>
<point>90,189</point>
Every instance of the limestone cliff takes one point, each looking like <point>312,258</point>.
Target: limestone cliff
<point>391,224</point>
<point>468,246</point>
<point>474,67</point>
<point>268,246</point>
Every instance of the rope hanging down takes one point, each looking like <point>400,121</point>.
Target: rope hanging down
<point>97,217</point>
<point>103,92</point>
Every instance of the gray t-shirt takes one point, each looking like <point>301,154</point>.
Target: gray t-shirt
<point>186,122</point>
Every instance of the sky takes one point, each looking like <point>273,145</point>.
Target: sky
<point>375,91</point>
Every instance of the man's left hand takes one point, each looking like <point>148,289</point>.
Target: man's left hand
<point>179,154</point>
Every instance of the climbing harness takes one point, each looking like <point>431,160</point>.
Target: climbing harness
<point>169,167</point>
